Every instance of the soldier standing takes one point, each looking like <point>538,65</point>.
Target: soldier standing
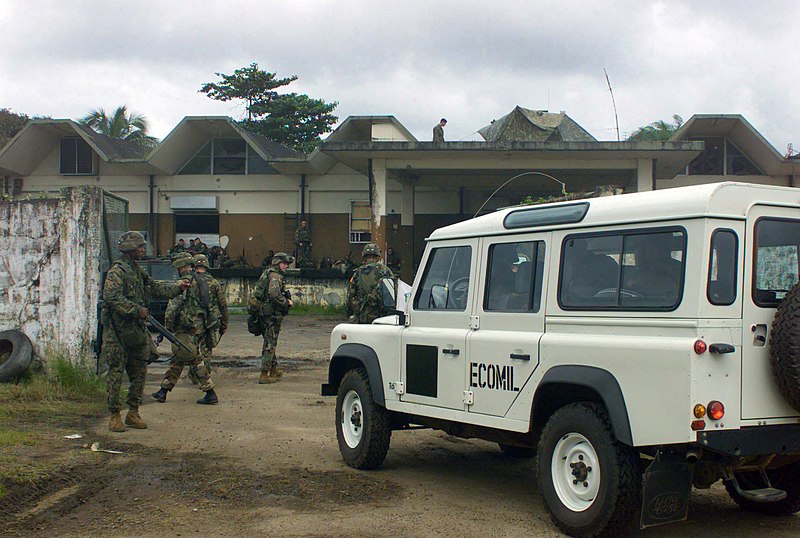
<point>438,130</point>
<point>187,316</point>
<point>217,322</point>
<point>302,240</point>
<point>270,302</point>
<point>126,343</point>
<point>364,300</point>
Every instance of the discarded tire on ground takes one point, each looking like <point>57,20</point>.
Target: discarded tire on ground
<point>784,347</point>
<point>16,354</point>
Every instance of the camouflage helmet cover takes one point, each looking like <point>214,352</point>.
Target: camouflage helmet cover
<point>201,259</point>
<point>281,257</point>
<point>371,249</point>
<point>183,259</point>
<point>131,241</point>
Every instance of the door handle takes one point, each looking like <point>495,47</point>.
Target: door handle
<point>721,348</point>
<point>520,357</point>
<point>450,351</point>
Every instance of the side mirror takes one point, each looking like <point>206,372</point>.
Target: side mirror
<point>389,293</point>
<point>438,299</point>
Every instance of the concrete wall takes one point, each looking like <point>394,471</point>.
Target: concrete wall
<point>325,292</point>
<point>49,270</point>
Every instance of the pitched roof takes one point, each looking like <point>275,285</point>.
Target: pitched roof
<point>523,124</point>
<point>114,149</point>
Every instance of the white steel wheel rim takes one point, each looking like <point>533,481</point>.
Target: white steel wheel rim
<point>352,419</point>
<point>575,471</point>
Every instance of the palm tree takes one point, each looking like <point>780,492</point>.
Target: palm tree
<point>658,130</point>
<point>129,127</point>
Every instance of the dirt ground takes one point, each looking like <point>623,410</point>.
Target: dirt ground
<point>264,462</point>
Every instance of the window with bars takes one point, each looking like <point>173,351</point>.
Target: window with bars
<point>360,221</point>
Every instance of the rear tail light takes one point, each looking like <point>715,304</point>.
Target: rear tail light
<point>698,425</point>
<point>699,411</point>
<point>716,410</point>
<point>700,347</point>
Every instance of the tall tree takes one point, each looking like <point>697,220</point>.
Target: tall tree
<point>658,130</point>
<point>292,119</point>
<point>10,124</point>
<point>126,126</point>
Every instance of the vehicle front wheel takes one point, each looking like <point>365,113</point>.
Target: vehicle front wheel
<point>590,482</point>
<point>362,426</point>
<point>786,478</point>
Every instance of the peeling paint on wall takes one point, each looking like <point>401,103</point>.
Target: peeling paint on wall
<point>49,270</point>
<point>325,292</point>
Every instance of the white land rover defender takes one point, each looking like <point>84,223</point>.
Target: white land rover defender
<point>640,344</point>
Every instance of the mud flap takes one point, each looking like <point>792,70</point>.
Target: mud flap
<point>667,488</point>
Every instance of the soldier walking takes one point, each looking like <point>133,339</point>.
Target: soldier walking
<point>217,323</point>
<point>270,302</point>
<point>364,300</point>
<point>187,316</point>
<point>126,343</point>
<point>302,240</point>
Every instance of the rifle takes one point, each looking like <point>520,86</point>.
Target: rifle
<point>165,332</point>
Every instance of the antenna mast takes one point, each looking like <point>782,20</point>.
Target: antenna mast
<point>613,102</point>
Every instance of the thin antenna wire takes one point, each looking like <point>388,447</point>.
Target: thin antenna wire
<point>563,186</point>
<point>613,102</point>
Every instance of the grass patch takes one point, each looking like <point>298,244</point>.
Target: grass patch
<point>36,411</point>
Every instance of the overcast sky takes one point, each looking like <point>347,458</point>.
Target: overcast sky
<point>469,61</point>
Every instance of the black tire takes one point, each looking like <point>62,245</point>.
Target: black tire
<point>786,478</point>
<point>611,509</point>
<point>16,354</point>
<point>520,452</point>
<point>784,347</point>
<point>365,433</point>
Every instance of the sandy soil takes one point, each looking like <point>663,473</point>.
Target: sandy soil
<point>264,462</point>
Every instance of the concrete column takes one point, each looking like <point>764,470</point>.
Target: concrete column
<point>380,192</point>
<point>644,175</point>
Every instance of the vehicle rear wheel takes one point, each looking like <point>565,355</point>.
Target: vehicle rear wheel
<point>362,426</point>
<point>786,478</point>
<point>16,354</point>
<point>513,451</point>
<point>590,482</point>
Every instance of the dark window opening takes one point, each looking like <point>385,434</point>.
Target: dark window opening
<point>77,157</point>
<point>737,164</point>
<point>206,227</point>
<point>712,160</point>
<point>514,278</point>
<point>445,285</point>
<point>227,156</point>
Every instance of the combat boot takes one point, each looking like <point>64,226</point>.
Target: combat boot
<point>266,377</point>
<point>160,395</point>
<point>209,399</point>
<point>115,423</point>
<point>274,372</point>
<point>133,419</point>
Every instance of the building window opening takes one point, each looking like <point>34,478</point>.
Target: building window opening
<point>360,221</point>
<point>231,156</point>
<point>206,227</point>
<point>77,158</point>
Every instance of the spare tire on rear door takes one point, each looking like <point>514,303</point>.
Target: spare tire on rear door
<point>16,354</point>
<point>784,347</point>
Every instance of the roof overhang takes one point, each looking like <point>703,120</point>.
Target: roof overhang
<point>359,128</point>
<point>187,137</point>
<point>739,131</point>
<point>669,157</point>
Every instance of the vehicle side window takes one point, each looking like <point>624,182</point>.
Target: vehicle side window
<point>722,267</point>
<point>445,284</point>
<point>514,278</point>
<point>631,270</point>
<point>776,260</point>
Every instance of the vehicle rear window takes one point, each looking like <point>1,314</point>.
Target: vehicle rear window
<point>629,270</point>
<point>445,284</point>
<point>775,260</point>
<point>721,288</point>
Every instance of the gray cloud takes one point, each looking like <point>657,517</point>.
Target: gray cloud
<point>470,61</point>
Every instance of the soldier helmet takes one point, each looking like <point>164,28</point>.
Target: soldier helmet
<point>182,260</point>
<point>371,249</point>
<point>131,241</point>
<point>201,259</point>
<point>281,257</point>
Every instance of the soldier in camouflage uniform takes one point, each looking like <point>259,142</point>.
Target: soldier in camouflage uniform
<point>302,240</point>
<point>364,299</point>
<point>270,302</point>
<point>219,314</point>
<point>126,342</point>
<point>187,316</point>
